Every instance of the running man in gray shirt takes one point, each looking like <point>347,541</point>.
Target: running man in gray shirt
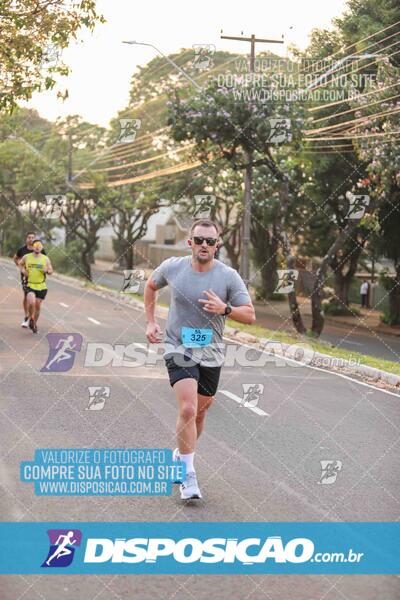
<point>204,291</point>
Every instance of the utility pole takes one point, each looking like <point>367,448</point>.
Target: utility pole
<point>69,173</point>
<point>245,262</point>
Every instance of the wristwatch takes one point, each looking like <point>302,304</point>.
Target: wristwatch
<point>228,309</point>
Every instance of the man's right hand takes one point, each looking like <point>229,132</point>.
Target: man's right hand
<point>154,333</point>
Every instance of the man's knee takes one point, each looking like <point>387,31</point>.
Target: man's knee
<point>187,410</point>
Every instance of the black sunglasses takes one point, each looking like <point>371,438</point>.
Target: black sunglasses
<point>198,240</point>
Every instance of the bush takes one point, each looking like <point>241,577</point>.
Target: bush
<point>274,297</point>
<point>334,308</point>
<point>67,259</point>
<point>389,319</point>
<point>12,242</point>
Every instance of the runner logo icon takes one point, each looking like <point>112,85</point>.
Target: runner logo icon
<point>62,547</point>
<point>62,349</point>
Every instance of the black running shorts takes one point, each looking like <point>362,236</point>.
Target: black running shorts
<point>41,294</point>
<point>207,377</point>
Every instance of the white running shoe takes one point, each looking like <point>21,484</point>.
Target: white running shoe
<point>190,488</point>
<point>25,322</point>
<point>175,457</point>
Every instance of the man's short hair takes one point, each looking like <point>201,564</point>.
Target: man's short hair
<point>204,223</point>
<point>30,233</point>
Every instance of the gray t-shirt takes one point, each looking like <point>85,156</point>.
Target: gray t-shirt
<point>187,286</point>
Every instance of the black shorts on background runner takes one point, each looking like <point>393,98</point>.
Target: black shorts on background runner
<point>207,377</point>
<point>41,294</point>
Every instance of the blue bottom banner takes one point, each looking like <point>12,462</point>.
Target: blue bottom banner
<point>200,548</point>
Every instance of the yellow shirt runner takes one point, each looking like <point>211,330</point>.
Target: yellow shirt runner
<point>35,264</point>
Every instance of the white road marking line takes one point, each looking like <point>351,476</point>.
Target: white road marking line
<point>94,321</point>
<point>64,305</point>
<point>255,409</point>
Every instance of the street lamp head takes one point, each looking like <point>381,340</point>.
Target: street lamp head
<point>129,42</point>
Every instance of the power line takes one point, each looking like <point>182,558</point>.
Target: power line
<point>148,176</point>
<point>325,139</point>
<point>145,160</point>
<point>353,70</point>
<point>344,112</point>
<point>362,40</point>
<point>320,107</point>
<point>350,122</point>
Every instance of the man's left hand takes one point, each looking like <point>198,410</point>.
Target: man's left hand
<point>213,304</point>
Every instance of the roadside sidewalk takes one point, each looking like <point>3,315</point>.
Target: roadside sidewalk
<point>368,320</point>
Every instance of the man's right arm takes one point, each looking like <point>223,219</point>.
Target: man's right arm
<point>153,330</point>
<point>21,266</point>
<point>156,281</point>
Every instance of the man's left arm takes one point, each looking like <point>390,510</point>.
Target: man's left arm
<point>244,313</point>
<point>49,267</point>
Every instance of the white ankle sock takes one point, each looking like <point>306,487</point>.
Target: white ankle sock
<point>188,460</point>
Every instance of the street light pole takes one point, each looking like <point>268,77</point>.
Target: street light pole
<point>245,262</point>
<point>177,67</point>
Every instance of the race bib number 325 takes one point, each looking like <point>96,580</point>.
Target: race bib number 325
<point>196,338</point>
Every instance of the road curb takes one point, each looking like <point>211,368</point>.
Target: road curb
<point>304,354</point>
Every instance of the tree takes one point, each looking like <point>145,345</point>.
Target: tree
<point>32,34</point>
<point>379,146</point>
<point>132,211</point>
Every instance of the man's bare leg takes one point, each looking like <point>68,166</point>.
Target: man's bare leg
<point>186,434</point>
<point>203,404</point>
<point>31,304</point>
<point>37,309</point>
<point>25,305</point>
<point>186,431</point>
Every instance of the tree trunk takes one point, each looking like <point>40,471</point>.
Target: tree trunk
<point>129,255</point>
<point>87,268</point>
<point>290,260</point>
<point>341,287</point>
<point>318,319</point>
<point>394,299</point>
<point>265,249</point>
<point>344,269</point>
<point>232,245</point>
<point>268,272</point>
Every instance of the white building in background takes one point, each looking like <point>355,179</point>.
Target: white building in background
<point>166,236</point>
<point>107,234</point>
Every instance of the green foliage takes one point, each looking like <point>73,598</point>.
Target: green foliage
<point>229,125</point>
<point>335,308</point>
<point>31,33</point>
<point>389,318</point>
<point>67,259</point>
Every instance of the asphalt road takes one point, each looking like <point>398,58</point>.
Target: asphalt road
<point>251,467</point>
<point>349,337</point>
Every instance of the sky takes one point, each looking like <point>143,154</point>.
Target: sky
<point>101,66</point>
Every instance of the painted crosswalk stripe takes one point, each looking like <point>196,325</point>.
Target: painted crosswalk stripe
<point>255,409</point>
